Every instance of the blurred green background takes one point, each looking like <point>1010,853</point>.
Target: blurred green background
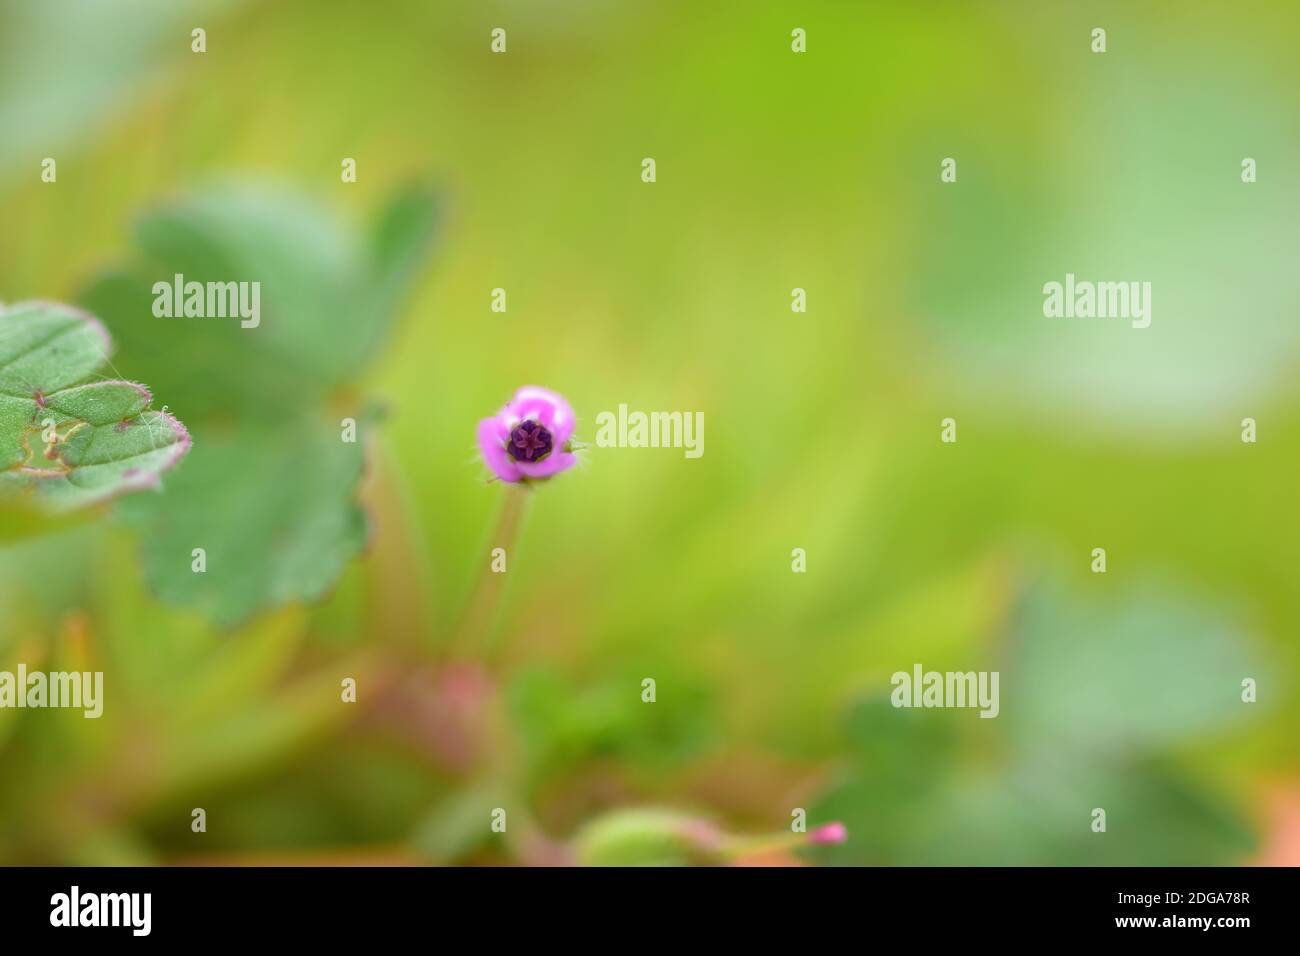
<point>775,171</point>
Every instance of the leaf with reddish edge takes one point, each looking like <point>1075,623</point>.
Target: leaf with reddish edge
<point>67,440</point>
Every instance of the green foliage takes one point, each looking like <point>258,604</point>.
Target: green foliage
<point>1089,698</point>
<point>275,511</point>
<point>643,837</point>
<point>271,494</point>
<point>822,429</point>
<point>563,726</point>
<point>66,442</point>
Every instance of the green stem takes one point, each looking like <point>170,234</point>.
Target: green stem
<point>475,621</point>
<point>768,843</point>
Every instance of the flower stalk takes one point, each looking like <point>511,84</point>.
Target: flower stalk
<point>477,617</point>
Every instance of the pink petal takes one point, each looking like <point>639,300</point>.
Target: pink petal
<point>491,442</point>
<point>554,463</point>
<point>545,407</point>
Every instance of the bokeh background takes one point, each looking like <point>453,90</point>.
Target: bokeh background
<point>775,171</point>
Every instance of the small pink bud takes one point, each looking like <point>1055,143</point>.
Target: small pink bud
<point>829,834</point>
<point>529,438</point>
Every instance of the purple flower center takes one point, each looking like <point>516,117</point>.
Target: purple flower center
<point>529,442</point>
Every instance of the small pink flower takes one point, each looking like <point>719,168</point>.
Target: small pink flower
<point>829,834</point>
<point>529,438</point>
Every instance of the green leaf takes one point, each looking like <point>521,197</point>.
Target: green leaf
<point>274,509</point>
<point>271,493</point>
<point>104,439</point>
<point>1093,696</point>
<point>1142,671</point>
<point>42,108</point>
